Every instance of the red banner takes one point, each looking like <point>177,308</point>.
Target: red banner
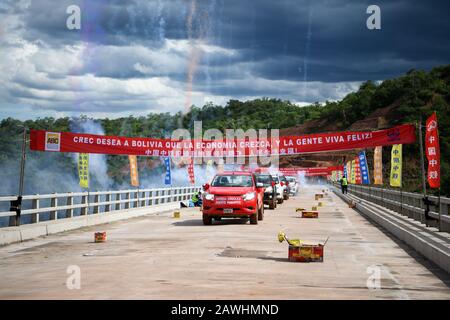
<point>433,152</point>
<point>286,145</point>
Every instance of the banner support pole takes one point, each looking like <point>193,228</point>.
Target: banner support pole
<point>439,210</point>
<point>422,164</point>
<point>17,205</point>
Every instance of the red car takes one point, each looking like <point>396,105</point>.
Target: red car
<point>233,195</point>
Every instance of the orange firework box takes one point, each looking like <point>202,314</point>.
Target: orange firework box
<point>310,214</point>
<point>302,252</point>
<point>306,253</point>
<point>100,236</point>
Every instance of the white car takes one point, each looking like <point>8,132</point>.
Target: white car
<point>293,184</point>
<point>281,188</point>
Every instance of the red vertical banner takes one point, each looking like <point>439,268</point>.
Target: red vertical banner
<point>433,152</point>
<point>358,171</point>
<point>191,172</point>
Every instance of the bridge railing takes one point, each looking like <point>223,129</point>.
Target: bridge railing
<point>406,203</point>
<point>45,207</point>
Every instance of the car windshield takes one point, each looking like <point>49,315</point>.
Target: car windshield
<point>283,178</point>
<point>291,179</point>
<point>275,178</point>
<point>264,179</point>
<point>232,181</point>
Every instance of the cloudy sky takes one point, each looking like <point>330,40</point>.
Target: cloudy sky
<point>141,56</point>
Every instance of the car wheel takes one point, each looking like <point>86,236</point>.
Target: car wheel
<point>261,213</point>
<point>280,201</point>
<point>286,196</point>
<point>207,220</point>
<point>254,218</point>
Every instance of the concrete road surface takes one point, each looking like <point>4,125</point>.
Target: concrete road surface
<point>160,257</point>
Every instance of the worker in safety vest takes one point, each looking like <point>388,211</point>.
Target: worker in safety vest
<point>344,185</point>
<point>197,199</point>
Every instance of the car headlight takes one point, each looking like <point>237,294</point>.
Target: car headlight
<point>249,196</point>
<point>209,197</point>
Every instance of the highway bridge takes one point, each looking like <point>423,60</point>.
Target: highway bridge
<point>373,251</point>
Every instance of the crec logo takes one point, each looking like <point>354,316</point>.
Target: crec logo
<point>52,141</point>
<point>432,125</point>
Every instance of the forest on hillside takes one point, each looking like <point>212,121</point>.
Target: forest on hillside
<point>414,95</point>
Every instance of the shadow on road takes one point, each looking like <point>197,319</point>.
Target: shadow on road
<point>199,222</point>
<point>275,259</point>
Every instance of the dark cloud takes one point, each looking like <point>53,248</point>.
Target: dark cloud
<point>340,47</point>
<point>323,42</point>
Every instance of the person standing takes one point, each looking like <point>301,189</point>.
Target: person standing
<point>344,185</point>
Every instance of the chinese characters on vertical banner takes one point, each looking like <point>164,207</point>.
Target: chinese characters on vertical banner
<point>433,152</point>
<point>168,176</point>
<point>353,172</point>
<point>378,165</point>
<point>396,166</point>
<point>83,169</point>
<point>134,171</point>
<point>191,172</point>
<point>365,178</point>
<point>357,171</point>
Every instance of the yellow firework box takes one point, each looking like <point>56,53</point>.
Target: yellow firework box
<point>318,196</point>
<point>176,214</point>
<point>320,204</point>
<point>310,214</point>
<point>100,237</point>
<point>314,208</point>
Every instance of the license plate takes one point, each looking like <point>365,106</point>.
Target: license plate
<point>227,210</point>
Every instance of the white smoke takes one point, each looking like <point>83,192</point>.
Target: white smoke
<point>98,168</point>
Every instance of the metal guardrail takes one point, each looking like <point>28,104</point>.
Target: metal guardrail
<point>36,208</point>
<point>405,203</point>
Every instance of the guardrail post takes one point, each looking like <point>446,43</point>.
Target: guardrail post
<point>54,204</point>
<point>127,203</point>
<point>118,198</point>
<point>150,198</point>
<point>84,208</point>
<point>108,205</point>
<point>69,211</point>
<point>35,205</point>
<point>96,201</point>
<point>170,199</point>
<point>143,200</point>
<point>136,201</point>
<point>157,195</point>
